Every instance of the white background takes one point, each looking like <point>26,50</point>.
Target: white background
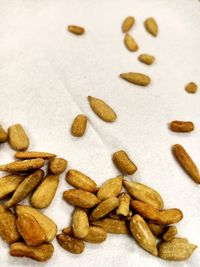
<point>46,75</point>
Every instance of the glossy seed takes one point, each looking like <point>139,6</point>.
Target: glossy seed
<point>8,184</point>
<point>112,226</point>
<point>57,165</point>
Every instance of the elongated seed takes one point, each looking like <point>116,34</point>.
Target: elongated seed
<point>103,110</point>
<point>22,166</point>
<point>76,29</point>
<point>79,125</point>
<point>81,181</point>
<point>123,162</point>
<point>136,78</point>
<point>27,186</point>
<point>128,24</point>
<point>130,43</point>
<point>8,184</point>
<point>17,137</point>
<point>182,126</point>
<point>151,26</point>
<point>34,155</point>
<point>45,192</point>
<point>143,235</point>
<point>186,162</point>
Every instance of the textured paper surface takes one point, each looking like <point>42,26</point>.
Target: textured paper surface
<point>46,75</point>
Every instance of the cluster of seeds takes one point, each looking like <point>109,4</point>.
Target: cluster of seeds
<point>26,229</point>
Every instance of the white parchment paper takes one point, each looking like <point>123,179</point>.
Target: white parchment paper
<point>46,75</point>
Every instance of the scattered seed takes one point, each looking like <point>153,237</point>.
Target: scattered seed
<point>128,24</point>
<point>151,26</point>
<point>182,126</point>
<point>130,43</point>
<point>76,29</point>
<point>186,162</point>
<point>102,109</point>
<point>17,137</point>
<point>146,59</point>
<point>123,162</point>
<point>191,88</point>
<point>79,125</point>
<point>136,78</point>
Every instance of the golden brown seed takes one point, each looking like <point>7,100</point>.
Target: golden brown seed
<point>145,210</point>
<point>144,193</point>
<point>123,162</point>
<point>157,229</point>
<point>178,249</point>
<point>169,216</point>
<point>112,226</point>
<point>68,230</point>
<point>136,78</point>
<point>22,166</point>
<point>181,126</point>
<point>111,188</point>
<point>80,198</point>
<point>170,233</point>
<point>151,26</point>
<point>47,225</point>
<point>27,186</point>
<point>76,29</point>
<point>79,125</point>
<point>95,235</point>
<point>104,208</point>
<point>17,137</point>
<point>81,181</point>
<point>45,192</point>
<point>8,184</point>
<point>80,223</point>
<point>113,215</point>
<point>34,155</point>
<point>128,24</point>
<point>146,59</point>
<point>57,165</point>
<point>3,135</point>
<point>8,230</point>
<point>130,43</point>
<point>191,88</point>
<point>30,230</point>
<point>102,109</point>
<point>186,162</point>
<point>143,234</point>
<point>70,243</point>
<point>124,203</point>
<point>39,253</point>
